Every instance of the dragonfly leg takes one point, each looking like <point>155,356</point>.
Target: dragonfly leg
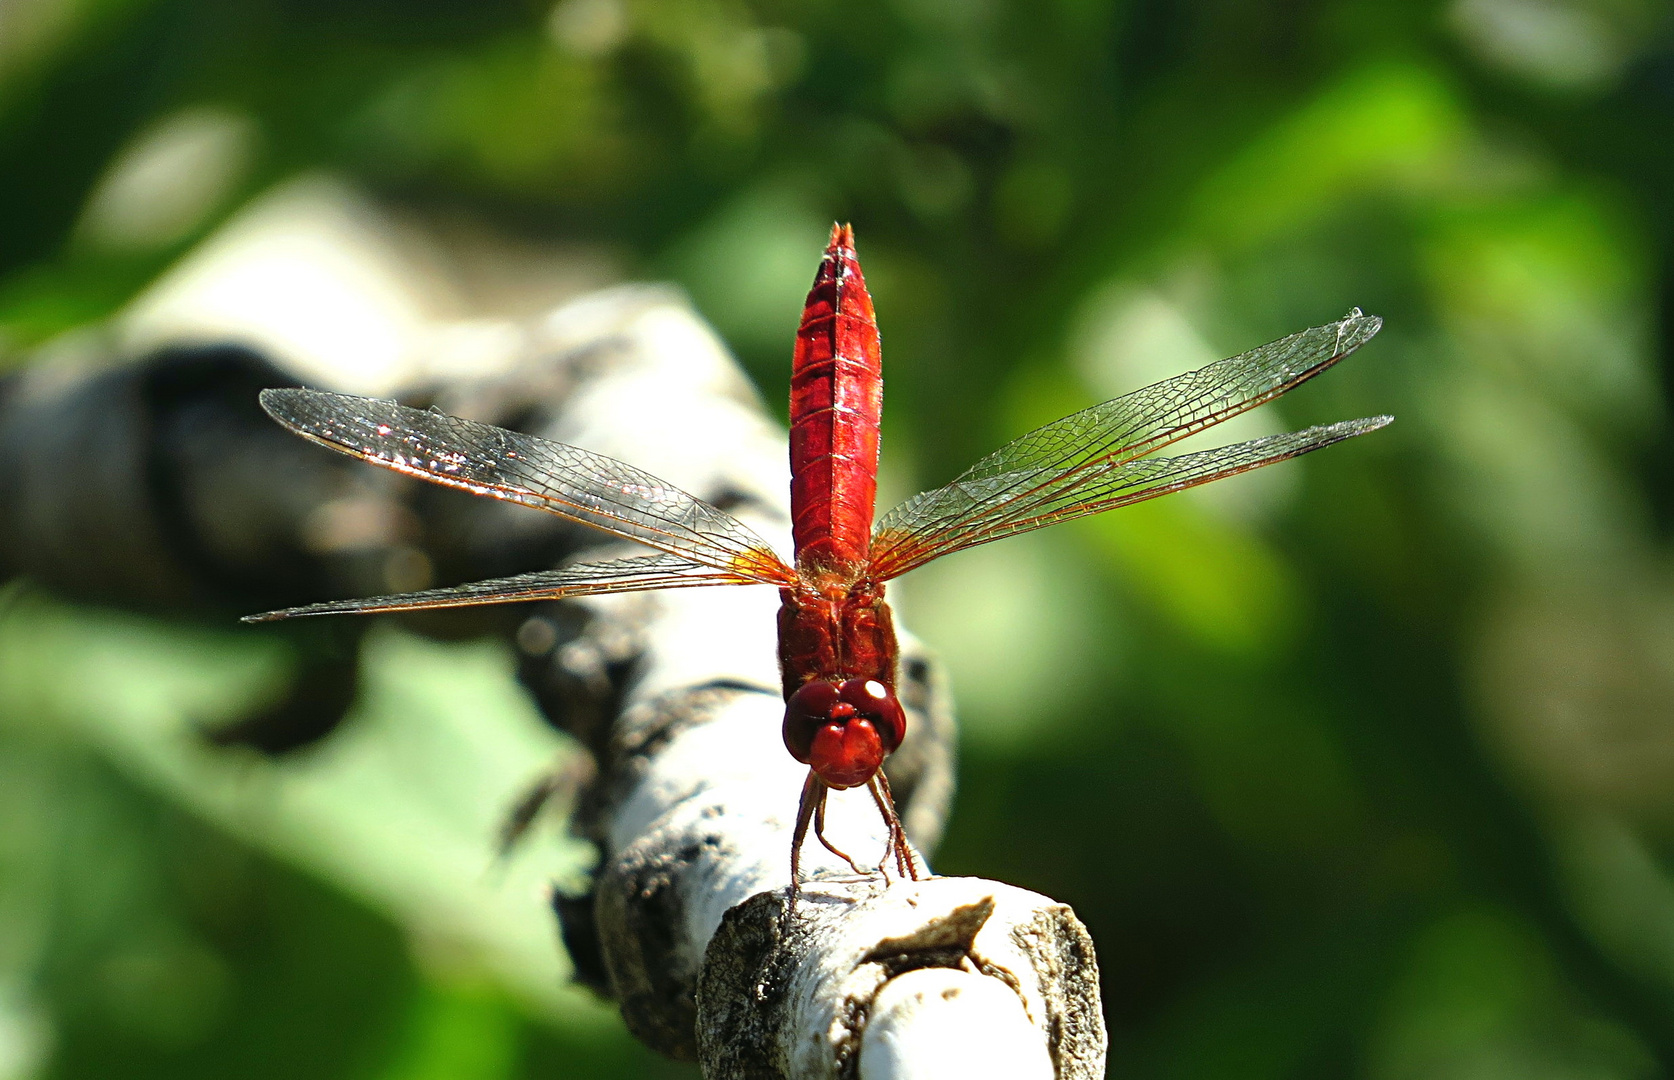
<point>905,865</point>
<point>813,797</point>
<point>819,834</point>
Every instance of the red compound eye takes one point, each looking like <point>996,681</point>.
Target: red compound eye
<point>843,732</point>
<point>808,710</point>
<point>876,702</point>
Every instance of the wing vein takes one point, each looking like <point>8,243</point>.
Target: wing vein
<point>1029,482</point>
<point>572,483</point>
<point>635,574</point>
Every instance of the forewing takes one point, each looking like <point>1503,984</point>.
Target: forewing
<point>1031,477</point>
<point>565,480</point>
<point>584,579</point>
<point>1110,485</point>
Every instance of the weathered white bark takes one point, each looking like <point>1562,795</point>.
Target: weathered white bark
<point>920,1027</point>
<point>944,977</point>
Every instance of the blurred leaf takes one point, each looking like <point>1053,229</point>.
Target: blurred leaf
<point>402,808</point>
<point>747,266</point>
<point>1546,293</point>
<point>456,1034</point>
<point>1386,128</point>
<point>1479,998</point>
<point>1221,586</point>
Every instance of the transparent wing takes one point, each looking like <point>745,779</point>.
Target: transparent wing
<point>564,480</point>
<point>584,579</point>
<point>1114,484</point>
<point>1066,468</point>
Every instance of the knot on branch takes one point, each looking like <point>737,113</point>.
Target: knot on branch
<point>866,980</point>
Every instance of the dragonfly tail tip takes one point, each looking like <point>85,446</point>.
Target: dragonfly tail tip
<point>842,238</point>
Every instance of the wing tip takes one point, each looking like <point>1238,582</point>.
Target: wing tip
<point>295,613</point>
<point>1367,425</point>
<point>265,617</point>
<point>286,404</point>
<point>276,401</point>
<point>1355,329</point>
<point>1348,429</point>
<point>1323,435</point>
<point>299,408</point>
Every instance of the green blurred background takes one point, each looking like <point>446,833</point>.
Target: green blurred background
<point>1361,766</point>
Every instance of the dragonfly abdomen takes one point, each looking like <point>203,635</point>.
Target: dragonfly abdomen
<point>836,401</point>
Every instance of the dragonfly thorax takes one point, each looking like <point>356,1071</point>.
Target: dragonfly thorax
<point>835,635</point>
<point>837,658</point>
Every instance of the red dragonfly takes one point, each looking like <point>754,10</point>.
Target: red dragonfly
<point>837,651</point>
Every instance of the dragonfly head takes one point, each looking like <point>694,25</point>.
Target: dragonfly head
<point>843,731</point>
